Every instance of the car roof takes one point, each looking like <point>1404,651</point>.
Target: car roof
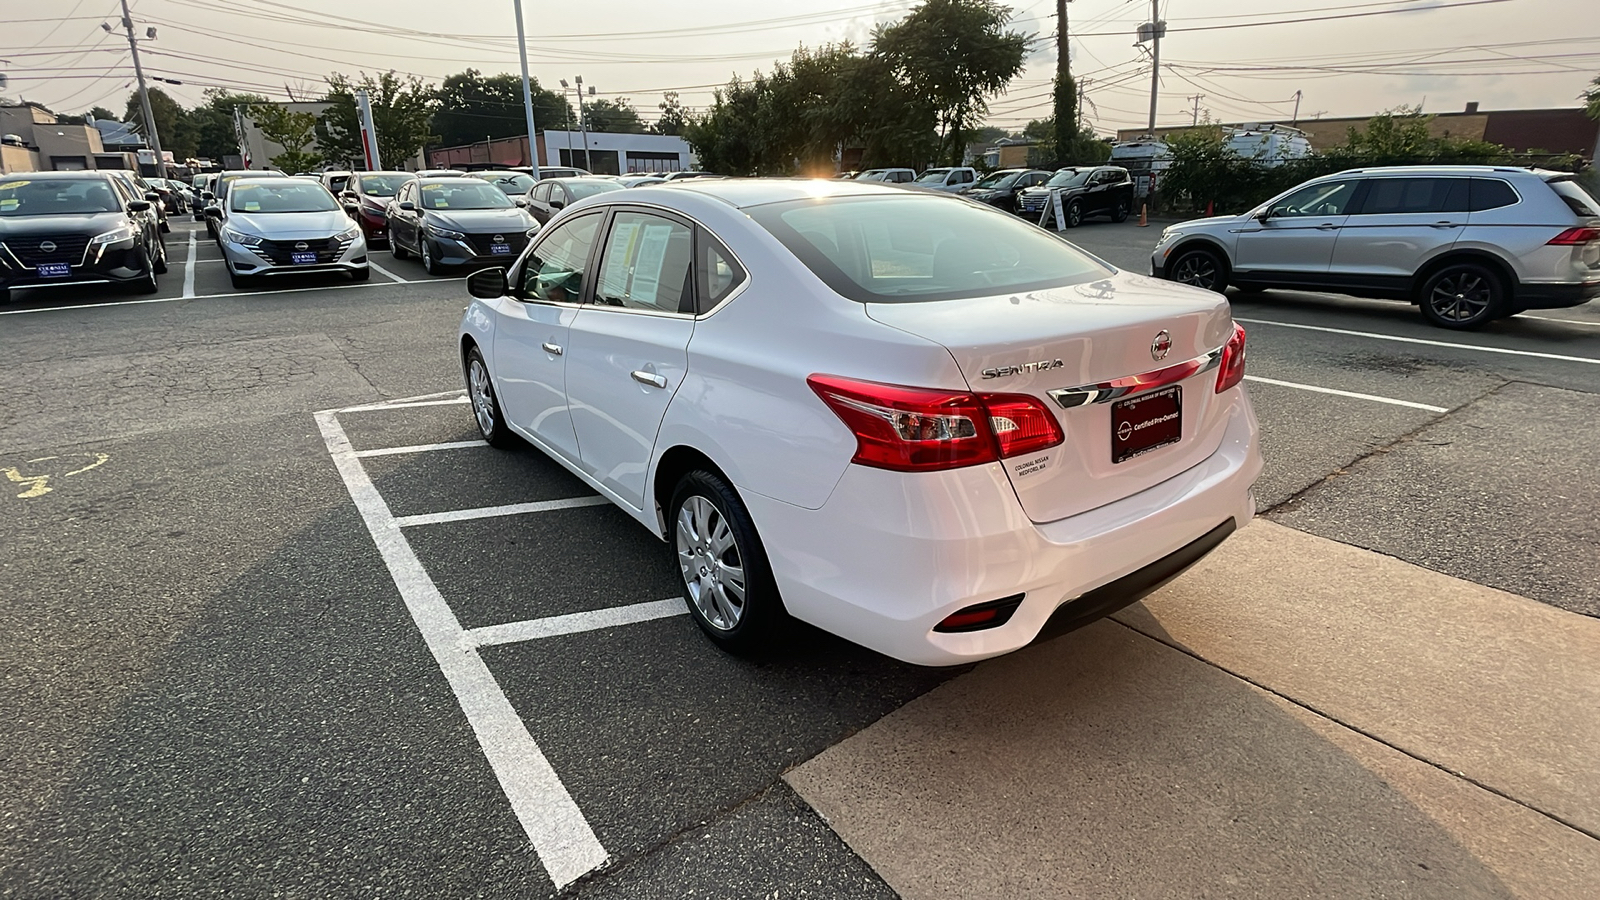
<point>745,192</point>
<point>1436,170</point>
<point>90,173</point>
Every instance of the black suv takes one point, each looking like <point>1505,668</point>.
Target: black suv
<point>76,226</point>
<point>1085,191</point>
<point>1003,188</point>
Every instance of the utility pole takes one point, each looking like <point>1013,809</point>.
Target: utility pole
<point>1067,99</point>
<point>1195,116</point>
<point>1296,120</point>
<point>1156,28</point>
<point>144,95</point>
<point>527,93</point>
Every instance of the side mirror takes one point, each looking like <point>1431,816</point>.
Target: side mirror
<point>557,204</point>
<point>207,195</point>
<point>1264,215</point>
<point>214,212</point>
<point>138,205</point>
<point>152,196</point>
<point>349,195</point>
<point>522,202</point>
<point>487,284</point>
<point>408,206</point>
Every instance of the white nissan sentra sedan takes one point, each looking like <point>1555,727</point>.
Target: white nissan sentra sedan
<point>916,422</point>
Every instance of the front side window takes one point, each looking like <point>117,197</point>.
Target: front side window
<point>56,197</point>
<point>542,192</point>
<point>474,194</point>
<point>1325,198</point>
<point>933,176</point>
<point>280,197</point>
<point>1069,178</point>
<point>646,264</point>
<point>556,268</point>
<point>1386,196</point>
<point>918,247</point>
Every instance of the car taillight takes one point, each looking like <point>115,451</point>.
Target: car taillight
<point>1232,369</point>
<point>1574,236</point>
<point>910,429</point>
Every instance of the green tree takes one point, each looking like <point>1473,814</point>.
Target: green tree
<point>169,117</point>
<point>473,106</point>
<point>956,53</point>
<point>673,119</point>
<point>295,132</point>
<point>1591,98</point>
<point>100,112</point>
<point>402,109</point>
<point>616,116</point>
<point>210,125</point>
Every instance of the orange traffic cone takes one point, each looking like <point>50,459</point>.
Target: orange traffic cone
<point>1208,208</point>
<point>1144,217</point>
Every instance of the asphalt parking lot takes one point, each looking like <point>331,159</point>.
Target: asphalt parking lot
<point>280,624</point>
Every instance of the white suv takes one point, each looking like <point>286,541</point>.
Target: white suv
<point>1467,244</point>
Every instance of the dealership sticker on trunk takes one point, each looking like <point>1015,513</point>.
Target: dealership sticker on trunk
<point>1030,466</point>
<point>1144,423</point>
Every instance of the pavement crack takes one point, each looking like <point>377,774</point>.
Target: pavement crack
<point>1362,731</point>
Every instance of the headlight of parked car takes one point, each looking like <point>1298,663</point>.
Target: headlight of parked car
<point>123,232</point>
<point>239,237</point>
<point>350,234</point>
<point>436,231</point>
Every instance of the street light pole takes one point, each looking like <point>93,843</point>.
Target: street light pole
<point>527,93</point>
<point>1155,59</point>
<point>583,125</point>
<point>144,95</point>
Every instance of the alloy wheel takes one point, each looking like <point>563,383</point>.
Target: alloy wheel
<point>482,396</point>
<point>1196,269</point>
<point>1074,215</point>
<point>711,563</point>
<point>1461,297</point>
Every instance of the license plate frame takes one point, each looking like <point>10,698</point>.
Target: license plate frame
<point>54,270</point>
<point>1146,422</point>
<point>303,257</point>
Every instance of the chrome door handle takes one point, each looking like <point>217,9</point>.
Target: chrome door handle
<point>1444,225</point>
<point>649,378</point>
<point>552,349</point>
<point>1327,228</point>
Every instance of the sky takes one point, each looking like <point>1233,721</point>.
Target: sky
<point>1243,59</point>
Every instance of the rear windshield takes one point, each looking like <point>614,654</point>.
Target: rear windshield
<point>1577,197</point>
<point>582,189</point>
<point>383,185</point>
<point>286,196</point>
<point>59,197</point>
<point>510,182</point>
<point>883,249</point>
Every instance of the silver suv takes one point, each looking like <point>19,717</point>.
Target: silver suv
<point>1467,244</point>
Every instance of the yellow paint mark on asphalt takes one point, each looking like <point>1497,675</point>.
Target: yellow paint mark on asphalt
<point>39,485</point>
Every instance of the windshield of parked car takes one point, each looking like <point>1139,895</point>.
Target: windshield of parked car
<point>286,196</point>
<point>582,189</point>
<point>933,176</point>
<point>56,197</point>
<point>383,185</point>
<point>464,194</point>
<point>997,180</point>
<point>513,183</point>
<point>920,247</point>
<point>1069,178</point>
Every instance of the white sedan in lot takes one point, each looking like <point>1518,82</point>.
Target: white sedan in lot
<point>916,422</point>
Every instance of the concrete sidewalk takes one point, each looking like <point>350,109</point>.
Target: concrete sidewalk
<point>1293,718</point>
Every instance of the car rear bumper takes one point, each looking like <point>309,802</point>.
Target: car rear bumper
<point>890,555</point>
<point>1556,296</point>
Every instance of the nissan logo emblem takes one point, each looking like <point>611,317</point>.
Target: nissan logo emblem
<point>499,239</point>
<point>47,247</point>
<point>1161,346</point>
<point>1125,431</point>
<point>302,245</point>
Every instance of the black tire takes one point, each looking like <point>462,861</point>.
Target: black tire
<point>161,261</point>
<point>362,274</point>
<point>1199,268</point>
<point>241,282</point>
<point>429,264</point>
<point>395,249</point>
<point>1119,213</point>
<point>486,403</point>
<point>1463,296</point>
<point>148,284</point>
<point>165,227</point>
<point>703,507</point>
<point>1074,213</point>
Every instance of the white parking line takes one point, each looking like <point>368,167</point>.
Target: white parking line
<point>575,623</point>
<point>1563,321</point>
<point>420,448</point>
<point>1405,340</point>
<point>1351,394</point>
<point>374,407</point>
<point>386,273</point>
<point>561,836</point>
<point>287,292</point>
<point>188,269</point>
<point>489,512</point>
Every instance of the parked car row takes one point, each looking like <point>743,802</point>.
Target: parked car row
<point>66,227</point>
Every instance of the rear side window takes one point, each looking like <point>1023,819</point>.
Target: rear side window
<point>1491,193</point>
<point>1415,195</point>
<point>717,270</point>
<point>1579,200</point>
<point>921,247</point>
